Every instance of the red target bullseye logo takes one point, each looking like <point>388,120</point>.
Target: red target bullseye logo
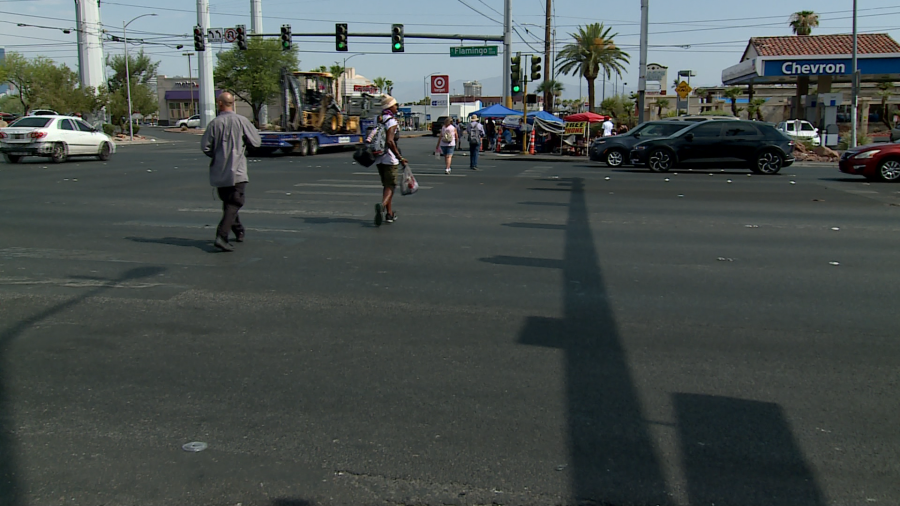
<point>440,84</point>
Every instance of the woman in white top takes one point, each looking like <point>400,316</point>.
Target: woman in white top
<point>447,142</point>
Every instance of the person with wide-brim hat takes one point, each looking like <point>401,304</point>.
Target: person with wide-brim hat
<point>388,163</point>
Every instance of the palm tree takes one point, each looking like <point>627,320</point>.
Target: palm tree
<point>733,93</point>
<point>885,91</point>
<point>803,22</point>
<point>337,73</point>
<point>592,51</point>
<point>388,86</point>
<point>755,107</point>
<point>379,83</point>
<point>661,105</point>
<point>551,89</point>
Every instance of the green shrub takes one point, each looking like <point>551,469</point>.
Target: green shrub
<point>109,129</point>
<point>135,128</point>
<point>861,140</point>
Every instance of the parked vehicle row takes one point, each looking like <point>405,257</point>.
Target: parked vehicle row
<point>55,137</point>
<point>875,162</point>
<point>666,144</point>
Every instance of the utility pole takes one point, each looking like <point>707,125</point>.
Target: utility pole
<point>547,75</point>
<point>854,88</point>
<point>191,81</point>
<point>642,70</point>
<point>507,52</point>
<point>256,26</point>
<point>205,69</point>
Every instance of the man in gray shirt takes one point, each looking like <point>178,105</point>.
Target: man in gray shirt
<point>225,141</point>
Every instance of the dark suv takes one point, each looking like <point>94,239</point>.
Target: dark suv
<point>614,150</point>
<point>437,125</point>
<point>752,144</point>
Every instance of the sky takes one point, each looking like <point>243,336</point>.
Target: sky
<point>705,36</point>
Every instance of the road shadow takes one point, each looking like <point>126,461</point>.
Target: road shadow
<point>611,455</point>
<point>292,502</point>
<point>10,488</point>
<point>734,451</point>
<point>857,180</point>
<point>203,245</point>
<point>737,451</point>
<point>367,223</point>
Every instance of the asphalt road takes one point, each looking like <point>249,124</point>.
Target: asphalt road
<point>533,333</point>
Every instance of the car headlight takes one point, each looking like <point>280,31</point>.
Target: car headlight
<point>600,142</point>
<point>867,154</point>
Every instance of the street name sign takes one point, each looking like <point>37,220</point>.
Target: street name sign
<point>474,51</point>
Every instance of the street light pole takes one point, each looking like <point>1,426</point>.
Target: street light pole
<point>127,73</point>
<point>190,81</point>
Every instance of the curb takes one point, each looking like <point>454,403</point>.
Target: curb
<point>149,140</point>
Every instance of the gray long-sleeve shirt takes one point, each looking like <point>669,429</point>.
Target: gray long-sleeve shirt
<point>224,141</point>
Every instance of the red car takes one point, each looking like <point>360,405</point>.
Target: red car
<point>878,162</point>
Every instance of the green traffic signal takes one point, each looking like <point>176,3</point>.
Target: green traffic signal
<point>517,88</point>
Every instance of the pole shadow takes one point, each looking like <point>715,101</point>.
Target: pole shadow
<point>737,451</point>
<point>201,244</point>
<point>611,455</point>
<point>10,483</point>
<point>367,223</point>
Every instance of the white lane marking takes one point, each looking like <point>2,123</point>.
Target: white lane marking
<point>417,174</point>
<point>260,211</point>
<point>378,186</point>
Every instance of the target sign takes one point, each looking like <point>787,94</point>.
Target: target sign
<point>230,35</point>
<point>440,85</point>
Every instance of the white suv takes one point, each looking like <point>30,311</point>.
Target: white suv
<point>192,122</point>
<point>800,129</point>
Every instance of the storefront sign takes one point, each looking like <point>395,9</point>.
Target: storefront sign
<point>362,88</point>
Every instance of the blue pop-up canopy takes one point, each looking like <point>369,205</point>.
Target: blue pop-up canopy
<point>496,111</point>
<point>545,116</point>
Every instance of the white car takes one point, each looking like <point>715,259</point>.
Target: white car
<point>192,122</point>
<point>55,137</point>
<point>800,129</point>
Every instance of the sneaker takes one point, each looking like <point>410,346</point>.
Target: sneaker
<point>447,170</point>
<point>474,168</point>
<point>391,218</point>
<point>379,214</point>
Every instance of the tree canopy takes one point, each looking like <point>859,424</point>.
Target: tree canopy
<point>803,22</point>
<point>593,51</point>
<point>253,75</point>
<point>41,83</point>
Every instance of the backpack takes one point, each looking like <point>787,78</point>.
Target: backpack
<point>474,134</point>
<point>373,145</point>
<point>376,139</point>
<point>448,135</point>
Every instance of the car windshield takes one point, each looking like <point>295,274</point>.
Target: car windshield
<point>32,122</point>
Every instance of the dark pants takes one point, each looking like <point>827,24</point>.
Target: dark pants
<point>232,202</point>
<point>473,154</point>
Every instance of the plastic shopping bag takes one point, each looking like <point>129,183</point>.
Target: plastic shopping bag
<point>408,183</point>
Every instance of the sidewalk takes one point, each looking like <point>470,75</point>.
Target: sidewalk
<point>144,140</point>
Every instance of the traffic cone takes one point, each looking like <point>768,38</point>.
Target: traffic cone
<point>531,143</point>
<point>499,140</point>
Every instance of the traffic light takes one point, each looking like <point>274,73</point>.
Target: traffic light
<point>241,37</point>
<point>340,36</point>
<point>286,40</point>
<point>535,68</point>
<point>515,72</point>
<point>397,38</point>
<point>199,41</point>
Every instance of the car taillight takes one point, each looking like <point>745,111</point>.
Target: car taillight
<point>2,135</point>
<point>37,134</point>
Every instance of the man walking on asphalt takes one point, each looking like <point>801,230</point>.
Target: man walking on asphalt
<point>475,132</point>
<point>388,163</point>
<point>225,141</point>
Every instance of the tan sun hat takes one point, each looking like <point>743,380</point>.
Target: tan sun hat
<point>388,101</point>
<point>473,118</point>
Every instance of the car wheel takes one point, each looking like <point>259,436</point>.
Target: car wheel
<point>889,170</point>
<point>615,158</point>
<point>660,160</point>
<point>313,146</point>
<point>105,151</point>
<point>13,158</point>
<point>58,154</point>
<point>183,127</point>
<point>769,162</point>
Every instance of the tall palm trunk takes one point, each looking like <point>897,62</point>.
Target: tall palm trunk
<point>590,83</point>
